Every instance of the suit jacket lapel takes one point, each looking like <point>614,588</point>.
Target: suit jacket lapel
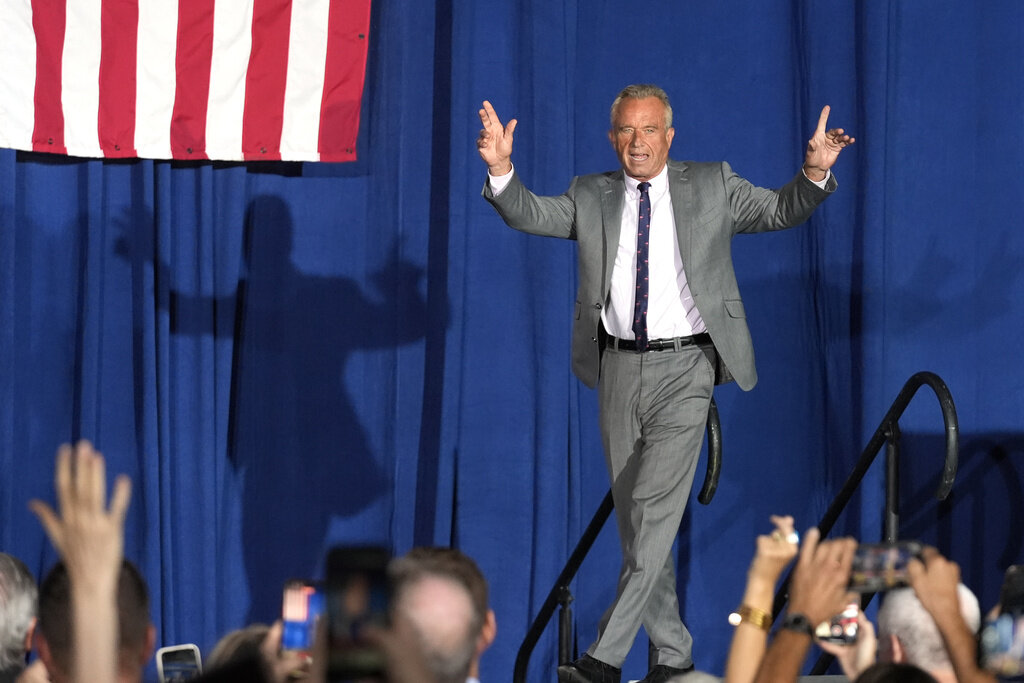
<point>681,190</point>
<point>611,219</point>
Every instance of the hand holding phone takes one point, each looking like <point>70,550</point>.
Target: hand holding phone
<point>855,653</point>
<point>842,628</point>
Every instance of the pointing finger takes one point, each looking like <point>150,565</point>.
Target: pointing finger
<point>823,119</point>
<point>809,547</point>
<point>491,115</point>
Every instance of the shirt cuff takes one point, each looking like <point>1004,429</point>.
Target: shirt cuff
<point>500,182</point>
<point>820,183</point>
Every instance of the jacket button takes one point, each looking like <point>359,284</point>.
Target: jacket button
<point>598,306</point>
<point>593,339</point>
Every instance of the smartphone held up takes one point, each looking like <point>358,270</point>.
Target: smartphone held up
<point>176,663</point>
<point>301,607</point>
<point>842,628</point>
<point>882,566</point>
<point>358,595</point>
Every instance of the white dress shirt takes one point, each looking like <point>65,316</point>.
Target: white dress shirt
<point>670,308</point>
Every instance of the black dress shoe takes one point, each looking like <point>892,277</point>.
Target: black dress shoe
<point>586,669</point>
<point>662,672</point>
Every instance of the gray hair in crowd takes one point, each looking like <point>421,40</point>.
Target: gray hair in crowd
<point>902,615</point>
<point>18,605</point>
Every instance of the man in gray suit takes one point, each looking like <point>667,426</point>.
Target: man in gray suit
<point>659,321</point>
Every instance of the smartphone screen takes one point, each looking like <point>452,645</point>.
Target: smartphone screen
<point>358,595</point>
<point>842,628</point>
<point>881,566</point>
<point>301,607</point>
<point>178,663</point>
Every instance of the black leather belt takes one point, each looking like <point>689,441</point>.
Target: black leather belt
<point>673,344</point>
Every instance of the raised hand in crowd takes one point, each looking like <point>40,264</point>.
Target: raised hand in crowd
<point>817,591</point>
<point>819,588</point>
<point>935,580</point>
<point>89,536</point>
<point>753,619</point>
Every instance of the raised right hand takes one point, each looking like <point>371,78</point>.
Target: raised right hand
<point>87,533</point>
<point>495,141</point>
<point>818,587</point>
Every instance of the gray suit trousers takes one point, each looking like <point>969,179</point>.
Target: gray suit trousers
<point>653,410</point>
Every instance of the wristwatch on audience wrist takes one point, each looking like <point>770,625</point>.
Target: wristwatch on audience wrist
<point>799,623</point>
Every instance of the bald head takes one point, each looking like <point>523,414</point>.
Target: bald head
<point>441,611</point>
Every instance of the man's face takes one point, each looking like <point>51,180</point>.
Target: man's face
<point>640,137</point>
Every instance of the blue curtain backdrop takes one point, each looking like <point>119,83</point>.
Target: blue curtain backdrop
<point>286,356</point>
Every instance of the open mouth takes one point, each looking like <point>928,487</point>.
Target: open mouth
<point>638,157</point>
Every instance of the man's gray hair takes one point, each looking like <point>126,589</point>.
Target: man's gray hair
<point>641,91</point>
<point>18,599</point>
<point>903,616</point>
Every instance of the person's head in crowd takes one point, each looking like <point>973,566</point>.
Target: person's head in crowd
<point>243,643</point>
<point>17,613</point>
<point>136,633</point>
<point>894,672</point>
<point>908,634</point>
<point>444,595</point>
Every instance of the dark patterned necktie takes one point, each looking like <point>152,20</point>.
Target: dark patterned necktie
<point>643,239</point>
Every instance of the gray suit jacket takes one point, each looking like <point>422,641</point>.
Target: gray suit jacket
<point>711,204</point>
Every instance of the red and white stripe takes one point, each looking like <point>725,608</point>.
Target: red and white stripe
<point>184,79</point>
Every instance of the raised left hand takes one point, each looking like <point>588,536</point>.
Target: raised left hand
<point>824,147</point>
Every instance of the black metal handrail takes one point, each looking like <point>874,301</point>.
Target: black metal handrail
<point>561,595</point>
<point>888,434</point>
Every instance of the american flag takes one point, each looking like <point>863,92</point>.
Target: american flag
<point>183,79</point>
